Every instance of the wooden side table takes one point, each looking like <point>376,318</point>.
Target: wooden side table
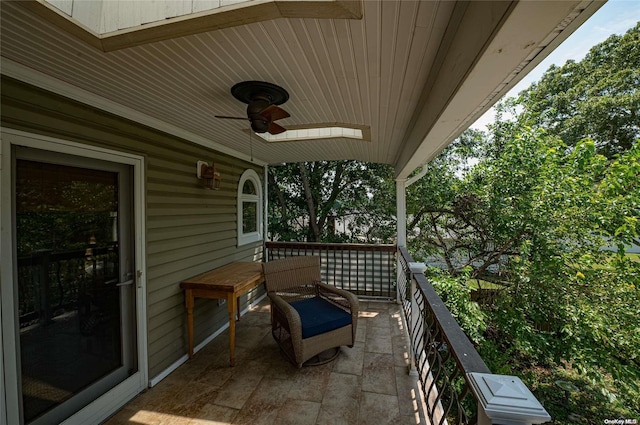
<point>228,283</point>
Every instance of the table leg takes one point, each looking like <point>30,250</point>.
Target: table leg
<point>188,298</point>
<point>238,307</point>
<point>231,304</point>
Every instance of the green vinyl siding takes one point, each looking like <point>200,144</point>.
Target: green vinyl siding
<point>189,229</point>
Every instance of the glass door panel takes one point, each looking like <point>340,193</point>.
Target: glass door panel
<point>74,288</point>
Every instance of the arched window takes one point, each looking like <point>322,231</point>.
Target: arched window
<point>249,208</point>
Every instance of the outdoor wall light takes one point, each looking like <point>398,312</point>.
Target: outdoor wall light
<point>209,175</point>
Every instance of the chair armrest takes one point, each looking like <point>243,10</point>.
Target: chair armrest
<point>292,316</point>
<point>293,325</point>
<point>352,300</point>
<point>350,297</point>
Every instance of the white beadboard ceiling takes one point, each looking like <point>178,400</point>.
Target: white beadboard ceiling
<point>415,72</point>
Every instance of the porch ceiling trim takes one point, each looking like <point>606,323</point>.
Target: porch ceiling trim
<point>30,76</point>
<point>246,12</point>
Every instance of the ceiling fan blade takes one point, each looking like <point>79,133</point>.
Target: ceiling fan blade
<point>274,113</point>
<point>276,129</point>
<point>231,118</point>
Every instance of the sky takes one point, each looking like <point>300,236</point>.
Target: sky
<point>615,17</point>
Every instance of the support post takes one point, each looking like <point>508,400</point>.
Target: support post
<point>415,314</point>
<point>401,228</point>
<point>505,400</point>
<point>401,211</point>
<point>413,370</point>
<point>265,212</point>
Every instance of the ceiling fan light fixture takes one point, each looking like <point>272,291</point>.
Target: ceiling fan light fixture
<point>260,125</point>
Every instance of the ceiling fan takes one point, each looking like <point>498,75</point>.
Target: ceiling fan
<point>262,99</point>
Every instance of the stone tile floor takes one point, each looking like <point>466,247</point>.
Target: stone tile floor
<point>366,384</point>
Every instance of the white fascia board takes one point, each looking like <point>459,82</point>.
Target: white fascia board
<point>532,31</point>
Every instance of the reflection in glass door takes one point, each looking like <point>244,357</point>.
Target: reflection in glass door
<point>75,287</point>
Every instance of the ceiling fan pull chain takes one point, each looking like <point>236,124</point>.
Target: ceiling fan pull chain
<point>251,144</point>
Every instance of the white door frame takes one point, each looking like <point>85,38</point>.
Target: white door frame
<point>107,404</point>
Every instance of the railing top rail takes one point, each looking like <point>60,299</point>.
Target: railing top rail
<point>332,246</point>
<point>457,341</point>
<point>27,260</point>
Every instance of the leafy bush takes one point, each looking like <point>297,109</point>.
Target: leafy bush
<point>456,294</point>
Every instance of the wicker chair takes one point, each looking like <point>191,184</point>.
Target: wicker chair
<point>308,317</point>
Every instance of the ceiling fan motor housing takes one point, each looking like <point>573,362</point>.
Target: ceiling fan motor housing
<point>259,95</point>
<point>258,103</point>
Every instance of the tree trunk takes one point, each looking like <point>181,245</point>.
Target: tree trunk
<point>336,188</point>
<point>283,204</point>
<point>313,221</point>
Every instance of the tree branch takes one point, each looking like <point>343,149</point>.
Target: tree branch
<point>495,256</point>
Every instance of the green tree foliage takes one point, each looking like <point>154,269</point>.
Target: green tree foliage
<point>535,219</point>
<point>457,295</point>
<point>445,219</point>
<point>63,215</point>
<point>308,200</point>
<point>569,301</point>
<point>598,97</point>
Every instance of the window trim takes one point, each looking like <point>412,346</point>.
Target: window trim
<point>251,237</point>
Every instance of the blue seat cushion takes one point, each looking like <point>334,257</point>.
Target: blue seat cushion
<point>319,316</point>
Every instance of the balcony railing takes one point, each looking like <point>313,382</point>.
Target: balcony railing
<point>454,379</point>
<point>442,353</point>
<point>366,270</point>
<point>52,283</point>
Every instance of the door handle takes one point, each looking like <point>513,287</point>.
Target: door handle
<point>125,283</point>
